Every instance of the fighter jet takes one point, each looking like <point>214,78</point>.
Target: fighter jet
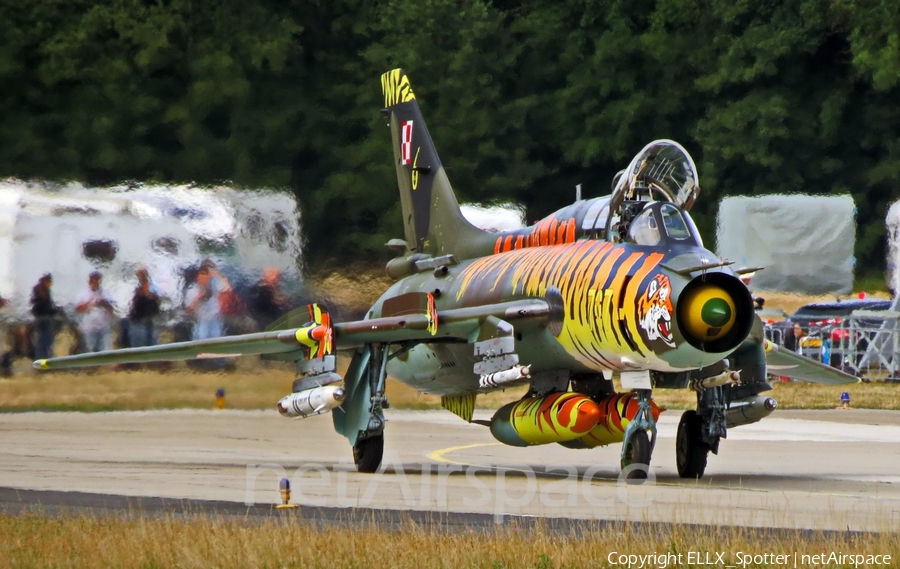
<point>616,285</point>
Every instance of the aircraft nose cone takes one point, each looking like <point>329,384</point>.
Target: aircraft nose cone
<point>716,312</point>
<point>707,313</point>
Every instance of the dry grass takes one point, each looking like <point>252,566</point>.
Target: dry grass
<point>252,385</point>
<point>34,540</point>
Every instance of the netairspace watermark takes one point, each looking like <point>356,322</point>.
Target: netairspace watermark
<point>500,490</point>
<point>733,560</point>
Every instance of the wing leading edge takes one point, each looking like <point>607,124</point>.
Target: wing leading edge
<point>320,336</point>
<point>781,361</point>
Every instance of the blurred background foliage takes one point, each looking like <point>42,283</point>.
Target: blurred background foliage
<point>524,99</point>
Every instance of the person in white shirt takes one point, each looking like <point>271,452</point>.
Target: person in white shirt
<point>95,313</point>
<point>202,301</point>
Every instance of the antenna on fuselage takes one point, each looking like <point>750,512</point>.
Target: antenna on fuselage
<point>578,192</point>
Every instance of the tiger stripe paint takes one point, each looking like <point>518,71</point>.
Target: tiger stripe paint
<point>396,88</point>
<point>462,406</point>
<point>616,412</point>
<point>317,335</point>
<point>557,417</point>
<point>602,287</point>
<point>550,231</point>
<point>432,316</point>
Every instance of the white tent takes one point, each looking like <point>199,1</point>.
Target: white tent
<point>71,230</point>
<point>805,243</point>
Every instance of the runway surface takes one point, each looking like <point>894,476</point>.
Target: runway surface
<point>835,469</point>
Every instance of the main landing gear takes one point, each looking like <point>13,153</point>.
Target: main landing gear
<point>367,453</point>
<point>691,451</point>
<point>361,417</point>
<point>700,431</point>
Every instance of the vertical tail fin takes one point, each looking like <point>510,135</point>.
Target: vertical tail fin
<point>432,221</point>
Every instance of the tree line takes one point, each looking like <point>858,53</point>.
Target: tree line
<point>524,99</point>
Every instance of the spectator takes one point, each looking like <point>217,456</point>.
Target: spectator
<point>144,309</point>
<point>45,313</point>
<point>267,300</point>
<point>6,357</point>
<point>202,301</point>
<point>95,310</point>
<point>793,339</point>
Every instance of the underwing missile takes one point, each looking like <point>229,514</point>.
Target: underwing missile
<point>498,379</point>
<point>311,401</point>
<point>716,380</point>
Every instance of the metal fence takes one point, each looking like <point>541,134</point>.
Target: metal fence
<point>866,344</point>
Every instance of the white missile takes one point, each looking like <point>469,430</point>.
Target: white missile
<point>716,380</point>
<point>311,401</point>
<point>497,379</point>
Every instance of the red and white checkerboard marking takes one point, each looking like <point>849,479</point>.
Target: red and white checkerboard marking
<point>406,142</point>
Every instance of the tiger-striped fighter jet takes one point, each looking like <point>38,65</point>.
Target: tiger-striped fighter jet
<point>620,284</point>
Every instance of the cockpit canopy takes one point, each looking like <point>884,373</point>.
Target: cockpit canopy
<point>664,223</point>
<point>662,171</point>
<point>651,197</point>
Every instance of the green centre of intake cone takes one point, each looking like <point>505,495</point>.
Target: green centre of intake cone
<point>716,312</point>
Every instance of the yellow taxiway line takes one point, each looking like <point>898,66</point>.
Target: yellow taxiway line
<point>438,455</point>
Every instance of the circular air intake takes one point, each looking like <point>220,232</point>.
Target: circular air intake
<point>715,312</point>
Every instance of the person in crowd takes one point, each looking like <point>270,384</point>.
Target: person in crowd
<point>793,338</point>
<point>267,301</point>
<point>143,311</point>
<point>45,314</point>
<point>95,311</point>
<point>203,303</point>
<point>6,357</point>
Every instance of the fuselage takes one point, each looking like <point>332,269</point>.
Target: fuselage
<point>613,309</point>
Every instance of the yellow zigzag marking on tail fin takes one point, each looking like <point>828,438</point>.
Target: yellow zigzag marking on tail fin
<point>396,88</point>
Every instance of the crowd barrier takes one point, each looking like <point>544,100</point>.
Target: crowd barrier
<point>866,344</point>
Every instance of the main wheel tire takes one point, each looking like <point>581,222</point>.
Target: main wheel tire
<point>367,454</point>
<point>690,450</point>
<point>638,453</point>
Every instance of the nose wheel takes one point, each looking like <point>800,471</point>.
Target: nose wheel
<point>637,446</point>
<point>637,453</point>
<point>690,450</point>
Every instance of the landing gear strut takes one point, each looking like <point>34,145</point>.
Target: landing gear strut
<point>637,446</point>
<point>361,417</point>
